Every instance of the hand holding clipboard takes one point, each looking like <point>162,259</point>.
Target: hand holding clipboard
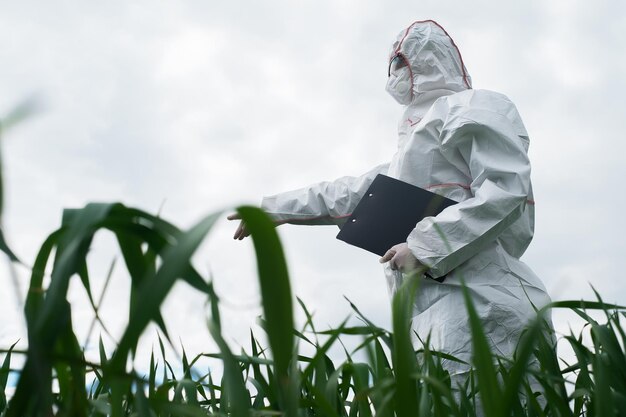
<point>387,214</point>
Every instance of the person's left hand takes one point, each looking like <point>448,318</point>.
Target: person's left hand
<point>242,231</point>
<point>400,258</point>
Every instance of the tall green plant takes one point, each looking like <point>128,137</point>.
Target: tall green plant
<point>52,342</point>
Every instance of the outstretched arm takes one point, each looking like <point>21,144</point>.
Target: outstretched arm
<point>329,202</point>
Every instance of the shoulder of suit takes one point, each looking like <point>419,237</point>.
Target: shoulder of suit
<point>481,104</point>
<point>485,99</point>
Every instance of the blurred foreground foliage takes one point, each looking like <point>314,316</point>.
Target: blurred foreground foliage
<point>394,380</point>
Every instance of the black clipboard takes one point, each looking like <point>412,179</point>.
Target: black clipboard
<point>387,214</point>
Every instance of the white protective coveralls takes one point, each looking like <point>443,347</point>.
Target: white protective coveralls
<point>470,146</point>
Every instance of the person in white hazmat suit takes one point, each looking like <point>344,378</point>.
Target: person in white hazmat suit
<point>470,146</point>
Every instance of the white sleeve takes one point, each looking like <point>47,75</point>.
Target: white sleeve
<point>322,203</point>
<point>485,146</point>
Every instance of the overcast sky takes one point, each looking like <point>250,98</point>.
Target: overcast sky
<point>198,106</point>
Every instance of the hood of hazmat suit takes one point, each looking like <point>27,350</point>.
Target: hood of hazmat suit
<point>470,146</point>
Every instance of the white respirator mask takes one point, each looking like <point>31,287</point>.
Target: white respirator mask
<point>399,83</point>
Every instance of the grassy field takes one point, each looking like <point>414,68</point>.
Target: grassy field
<point>277,379</point>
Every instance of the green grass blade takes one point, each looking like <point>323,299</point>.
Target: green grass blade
<point>154,366</point>
<point>403,354</point>
<point>83,274</point>
<point>332,393</point>
<point>4,247</point>
<point>276,299</point>
<point>316,401</point>
<point>611,348</point>
<point>602,394</point>
<point>274,283</point>
<point>166,364</point>
<point>384,333</point>
<point>157,233</point>
<point>361,389</point>
<point>34,299</point>
<point>265,390</point>
<point>320,353</point>
<point>96,307</point>
<point>214,303</point>
<point>514,379</point>
<point>490,391</point>
<point>141,403</point>
<point>47,318</point>
<point>70,370</point>
<point>589,305</point>
<point>4,375</point>
<point>309,319</point>
<point>153,292</point>
<point>238,397</point>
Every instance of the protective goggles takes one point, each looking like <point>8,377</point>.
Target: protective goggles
<point>396,63</point>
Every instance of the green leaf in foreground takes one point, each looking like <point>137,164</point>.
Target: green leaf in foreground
<point>403,354</point>
<point>4,376</point>
<point>175,263</point>
<point>4,247</point>
<point>489,390</point>
<point>238,396</point>
<point>277,300</point>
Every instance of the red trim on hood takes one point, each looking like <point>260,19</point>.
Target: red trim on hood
<point>406,33</point>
